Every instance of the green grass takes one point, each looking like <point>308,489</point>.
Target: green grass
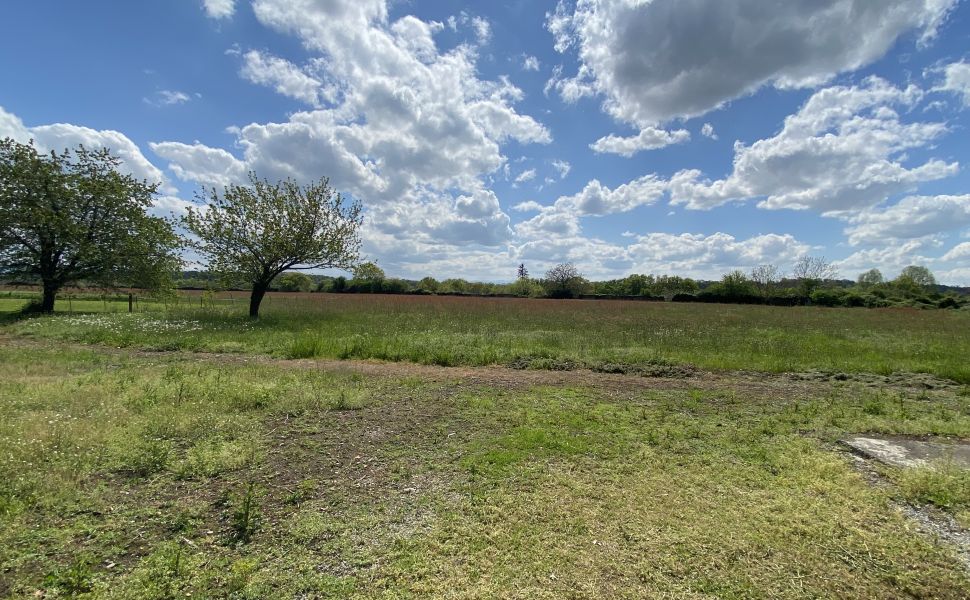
<point>537,333</point>
<point>161,476</point>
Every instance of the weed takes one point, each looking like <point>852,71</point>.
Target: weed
<point>303,492</point>
<point>245,518</point>
<point>874,406</point>
<point>147,457</point>
<point>347,401</point>
<point>73,581</point>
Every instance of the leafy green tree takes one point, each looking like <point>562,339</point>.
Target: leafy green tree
<point>454,286</point>
<point>735,283</point>
<point>72,216</point>
<point>429,284</point>
<point>257,231</point>
<point>369,272</point>
<point>526,288</point>
<point>916,276</point>
<point>339,284</point>
<point>294,282</point>
<point>669,286</point>
<point>870,278</point>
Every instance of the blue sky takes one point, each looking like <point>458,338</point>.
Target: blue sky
<point>623,135</point>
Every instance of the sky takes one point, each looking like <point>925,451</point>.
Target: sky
<point>688,137</point>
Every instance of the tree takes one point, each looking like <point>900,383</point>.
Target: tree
<point>811,271</point>
<point>259,230</point>
<point>735,284</point>
<point>669,286</point>
<point>295,282</point>
<point>914,278</point>
<point>428,284</point>
<point>871,277</point>
<point>338,284</point>
<point>765,277</point>
<point>71,216</point>
<point>523,273</point>
<point>525,288</point>
<point>369,272</point>
<point>564,281</point>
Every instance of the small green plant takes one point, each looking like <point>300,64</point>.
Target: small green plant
<point>239,574</point>
<point>303,492</point>
<point>245,515</point>
<point>147,457</point>
<point>874,406</point>
<point>345,401</point>
<point>75,580</point>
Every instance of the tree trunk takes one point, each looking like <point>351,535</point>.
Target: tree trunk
<point>50,292</point>
<point>259,290</point>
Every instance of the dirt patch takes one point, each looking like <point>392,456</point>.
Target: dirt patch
<point>923,381</point>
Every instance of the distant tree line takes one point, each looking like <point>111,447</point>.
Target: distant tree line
<point>813,281</point>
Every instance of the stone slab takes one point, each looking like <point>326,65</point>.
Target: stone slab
<point>910,452</point>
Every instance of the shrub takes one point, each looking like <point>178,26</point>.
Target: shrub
<point>948,302</point>
<point>827,297</point>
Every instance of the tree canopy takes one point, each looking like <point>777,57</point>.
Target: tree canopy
<point>72,216</point>
<point>257,231</point>
<point>564,281</point>
<point>916,276</point>
<point>871,277</point>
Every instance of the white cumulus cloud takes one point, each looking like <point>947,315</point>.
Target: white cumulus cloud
<point>845,150</point>
<point>649,138</point>
<point>219,9</point>
<point>664,59</point>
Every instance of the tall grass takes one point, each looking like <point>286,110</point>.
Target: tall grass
<point>480,331</point>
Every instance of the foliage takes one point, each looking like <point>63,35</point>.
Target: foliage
<point>524,287</point>
<point>294,282</point>
<point>522,272</point>
<point>564,281</point>
<point>428,284</point>
<point>871,277</point>
<point>368,272</point>
<point>735,284</point>
<point>258,231</point>
<point>72,216</point>
<point>915,279</point>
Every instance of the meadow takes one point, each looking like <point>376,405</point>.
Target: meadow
<point>627,336</point>
<point>636,449</point>
<point>175,476</point>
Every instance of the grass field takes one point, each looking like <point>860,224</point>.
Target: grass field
<point>139,476</point>
<point>617,335</point>
<point>129,469</point>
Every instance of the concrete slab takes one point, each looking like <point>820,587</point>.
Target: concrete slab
<point>901,451</point>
